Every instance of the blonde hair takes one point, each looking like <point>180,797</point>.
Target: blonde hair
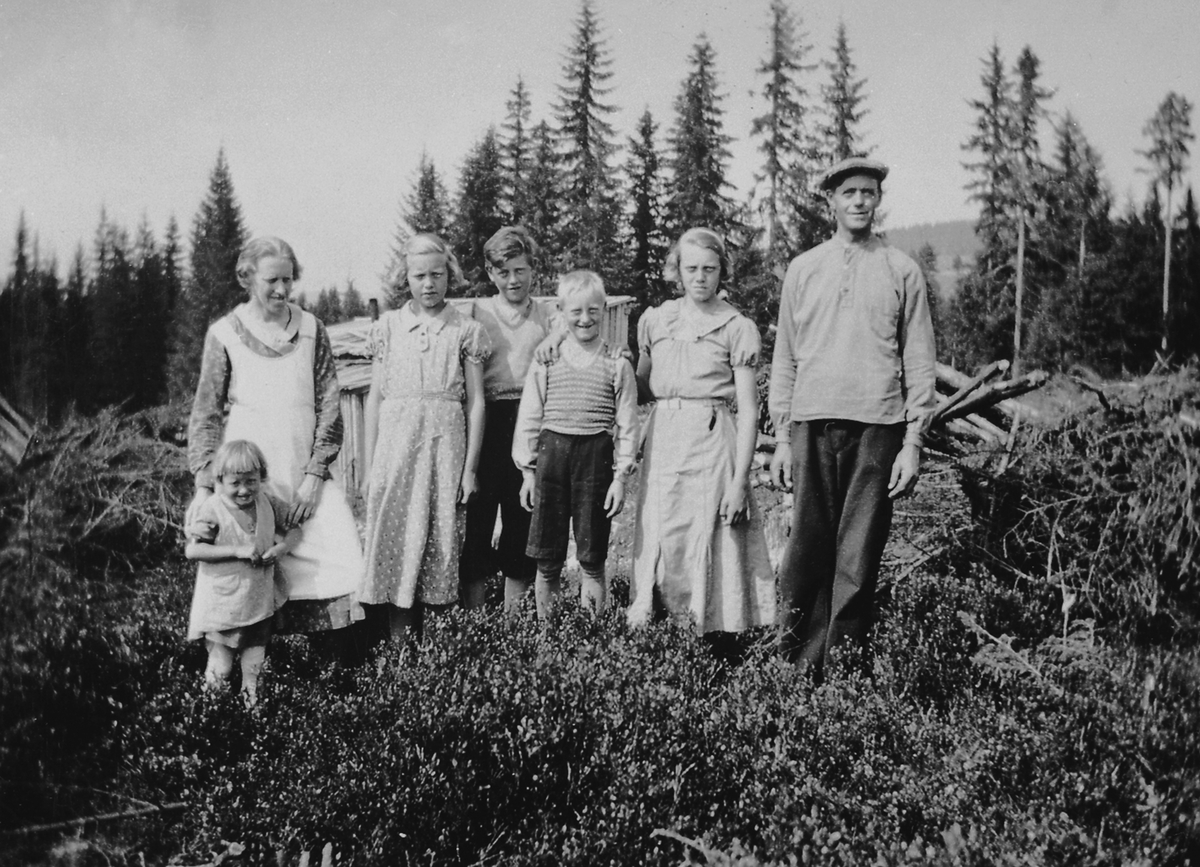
<point>427,242</point>
<point>580,282</point>
<point>239,456</point>
<point>261,248</point>
<point>705,239</point>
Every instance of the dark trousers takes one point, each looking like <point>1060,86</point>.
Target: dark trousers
<point>574,472</point>
<point>840,522</point>
<point>499,488</point>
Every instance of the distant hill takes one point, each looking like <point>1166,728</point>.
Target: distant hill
<point>952,239</point>
<point>955,238</point>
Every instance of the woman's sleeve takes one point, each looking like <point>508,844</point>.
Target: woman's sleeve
<point>476,345</point>
<point>744,343</point>
<point>645,322</point>
<point>206,427</point>
<point>280,510</point>
<point>327,439</point>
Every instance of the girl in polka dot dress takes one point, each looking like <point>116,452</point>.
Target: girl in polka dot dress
<point>424,426</point>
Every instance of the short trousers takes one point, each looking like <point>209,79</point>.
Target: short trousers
<point>574,472</point>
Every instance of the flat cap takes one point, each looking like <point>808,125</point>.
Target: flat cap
<point>852,166</point>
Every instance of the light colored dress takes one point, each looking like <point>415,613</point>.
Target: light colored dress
<point>683,553</point>
<point>274,401</point>
<point>414,520</point>
<point>231,594</point>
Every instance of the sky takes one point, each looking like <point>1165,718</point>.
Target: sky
<point>324,107</point>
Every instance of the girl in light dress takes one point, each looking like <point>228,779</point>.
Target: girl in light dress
<point>699,550</point>
<point>267,375</point>
<point>424,419</point>
<point>236,592</point>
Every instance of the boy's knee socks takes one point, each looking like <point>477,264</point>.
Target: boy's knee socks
<point>547,586</point>
<point>593,587</point>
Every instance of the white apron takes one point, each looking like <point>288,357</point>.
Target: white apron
<point>272,405</point>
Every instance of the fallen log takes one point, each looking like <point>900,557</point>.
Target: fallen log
<point>953,380</point>
<point>1003,392</point>
<point>989,372</point>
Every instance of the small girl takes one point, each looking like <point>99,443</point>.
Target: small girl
<point>236,589</point>
<point>423,428</point>
<point>699,548</point>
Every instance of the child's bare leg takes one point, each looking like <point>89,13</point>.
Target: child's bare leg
<point>547,586</point>
<point>593,587</point>
<point>252,663</point>
<point>515,592</point>
<point>220,665</point>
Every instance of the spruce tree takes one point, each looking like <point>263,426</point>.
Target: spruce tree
<point>590,213</point>
<point>113,302</point>
<point>151,322</point>
<point>1186,289</point>
<point>479,212</point>
<point>699,149</point>
<point>992,143</point>
<point>516,149</point>
<point>1170,133</point>
<point>212,288</point>
<point>843,99</point>
<point>13,325</point>
<point>787,207</point>
<point>1078,197</point>
<point>353,305</point>
<point>647,239</point>
<point>329,306</point>
<point>544,200</point>
<point>71,359</point>
<point>425,208</point>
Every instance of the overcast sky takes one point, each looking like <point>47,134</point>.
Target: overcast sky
<point>324,107</point>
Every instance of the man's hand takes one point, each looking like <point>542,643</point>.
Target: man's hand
<point>614,499</point>
<point>305,502</point>
<point>781,466</point>
<point>905,470</point>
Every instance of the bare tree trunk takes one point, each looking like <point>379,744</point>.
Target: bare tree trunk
<point>1166,307</point>
<point>1082,244</point>
<point>1020,299</point>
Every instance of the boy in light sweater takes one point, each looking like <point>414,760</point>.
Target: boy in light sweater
<point>575,440</point>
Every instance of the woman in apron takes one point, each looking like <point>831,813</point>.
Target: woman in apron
<point>270,364</point>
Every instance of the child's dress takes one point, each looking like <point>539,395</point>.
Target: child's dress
<point>414,521</point>
<point>682,550</point>
<point>233,594</point>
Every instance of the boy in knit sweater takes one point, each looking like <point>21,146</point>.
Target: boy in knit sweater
<point>575,439</point>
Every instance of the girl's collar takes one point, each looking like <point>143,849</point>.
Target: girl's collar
<point>687,321</point>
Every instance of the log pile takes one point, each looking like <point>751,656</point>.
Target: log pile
<point>981,409</point>
<point>972,410</point>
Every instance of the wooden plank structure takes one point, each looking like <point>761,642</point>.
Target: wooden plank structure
<point>353,359</point>
<point>15,432</point>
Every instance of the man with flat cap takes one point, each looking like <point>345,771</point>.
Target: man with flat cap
<point>852,381</point>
